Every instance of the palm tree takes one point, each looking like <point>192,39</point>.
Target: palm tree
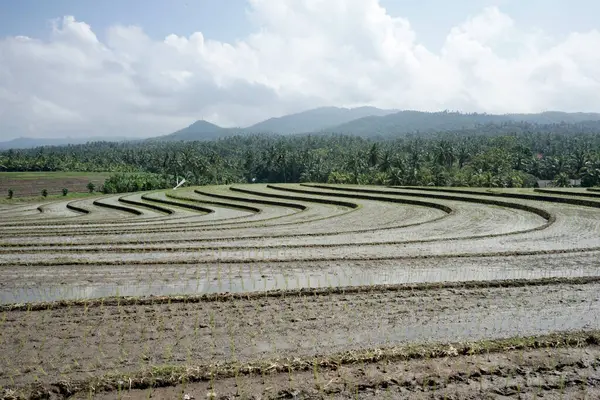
<point>374,155</point>
<point>590,173</point>
<point>562,180</point>
<point>444,154</point>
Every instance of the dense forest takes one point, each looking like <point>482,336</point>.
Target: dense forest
<point>506,155</point>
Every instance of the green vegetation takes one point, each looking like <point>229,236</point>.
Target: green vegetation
<point>11,193</point>
<point>122,183</point>
<point>561,180</point>
<point>44,192</point>
<point>65,191</point>
<point>507,155</point>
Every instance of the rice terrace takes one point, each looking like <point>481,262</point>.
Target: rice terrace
<point>302,291</point>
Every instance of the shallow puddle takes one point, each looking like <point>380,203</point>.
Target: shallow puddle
<point>238,279</point>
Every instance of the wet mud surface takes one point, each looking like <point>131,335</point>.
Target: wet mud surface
<point>535,374</point>
<point>251,239</point>
<point>52,283</point>
<point>76,340</point>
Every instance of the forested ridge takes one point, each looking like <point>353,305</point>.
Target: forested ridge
<point>502,155</point>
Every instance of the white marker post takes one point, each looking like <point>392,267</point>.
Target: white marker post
<point>179,184</point>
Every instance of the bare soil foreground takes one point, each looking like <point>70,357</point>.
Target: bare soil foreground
<point>302,291</point>
<point>556,373</point>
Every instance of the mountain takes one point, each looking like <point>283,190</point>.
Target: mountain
<point>417,121</point>
<point>199,130</point>
<point>314,120</point>
<point>371,121</point>
<point>414,121</point>
<point>361,121</point>
<point>317,119</point>
<point>556,117</point>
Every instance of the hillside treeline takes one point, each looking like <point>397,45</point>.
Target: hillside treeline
<point>461,158</point>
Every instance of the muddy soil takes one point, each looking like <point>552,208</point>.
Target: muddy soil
<point>63,255</point>
<point>472,229</point>
<point>399,223</point>
<point>76,341</point>
<point>220,218</point>
<point>40,283</point>
<point>570,373</point>
<point>54,185</point>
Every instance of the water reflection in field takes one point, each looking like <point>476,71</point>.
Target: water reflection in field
<point>204,279</point>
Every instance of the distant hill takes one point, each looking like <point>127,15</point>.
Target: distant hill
<point>371,121</point>
<point>314,120</point>
<point>199,130</point>
<point>417,121</point>
<point>556,117</point>
<point>27,143</point>
<point>361,121</point>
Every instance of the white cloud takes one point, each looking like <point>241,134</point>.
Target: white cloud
<point>302,54</point>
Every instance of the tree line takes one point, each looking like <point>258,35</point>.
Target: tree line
<point>458,158</point>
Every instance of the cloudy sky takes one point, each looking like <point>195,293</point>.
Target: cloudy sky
<point>149,67</point>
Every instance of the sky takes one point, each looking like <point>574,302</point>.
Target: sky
<point>140,68</point>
